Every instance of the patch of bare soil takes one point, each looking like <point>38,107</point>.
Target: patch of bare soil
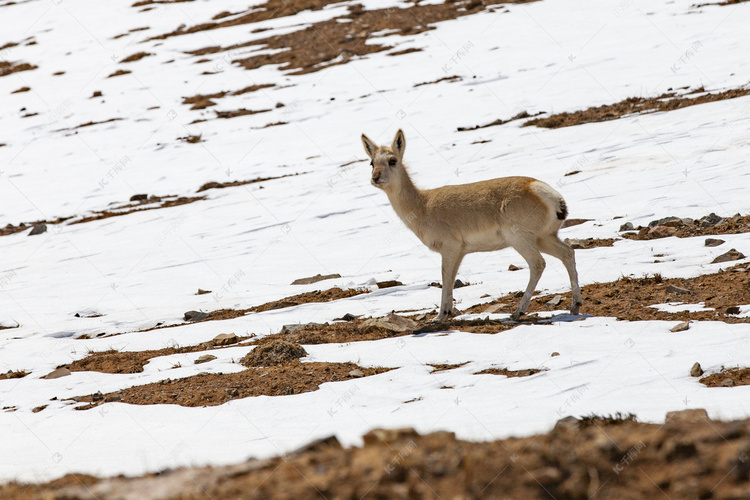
<point>12,229</point>
<point>13,374</point>
<point>21,90</point>
<point>276,352</point>
<point>629,298</point>
<point>8,68</point>
<point>635,105</point>
<point>89,124</point>
<point>211,389</point>
<point>441,367</point>
<point>511,373</point>
<point>151,203</point>
<point>136,57</point>
<point>453,78</point>
<point>113,361</point>
<point>222,185</point>
<point>335,41</point>
<point>584,244</point>
<point>688,457</point>
<point>239,112</point>
<point>709,225</point>
<point>120,72</point>
<point>203,101</point>
<point>721,4</point>
<point>727,377</point>
<point>520,116</point>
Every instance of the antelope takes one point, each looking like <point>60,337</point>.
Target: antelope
<point>518,212</point>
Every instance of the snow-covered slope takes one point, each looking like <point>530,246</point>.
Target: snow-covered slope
<point>248,243</point>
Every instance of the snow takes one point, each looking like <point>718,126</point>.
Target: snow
<point>248,243</point>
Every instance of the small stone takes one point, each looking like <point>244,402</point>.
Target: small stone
<point>348,317</point>
<point>202,291</point>
<point>97,396</point>
<point>97,93</point>
<point>710,220</point>
<point>680,327</point>
<point>665,221</point>
<point>568,423</point>
<point>112,398</point>
<point>628,226</point>
<point>356,373</point>
<point>38,229</point>
<point>691,416</point>
<point>232,392</point>
<point>388,284</point>
<point>286,329</point>
<point>733,310</point>
<point>497,309</point>
<point>554,301</point>
<point>315,279</point>
<point>713,242</point>
<point>205,359</point>
<point>513,268</point>
<point>677,289</point>
<point>729,256</point>
<point>661,232</point>
<point>225,339</point>
<point>642,234</point>
<point>195,316</point>
<point>696,370</point>
<point>139,197</point>
<point>459,284</point>
<point>555,354</point>
<point>59,372</point>
<point>728,383</point>
<point>392,323</point>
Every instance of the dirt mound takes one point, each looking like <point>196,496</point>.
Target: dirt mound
<point>274,353</point>
<point>210,389</point>
<point>727,377</point>
<point>511,373</point>
<point>710,225</point>
<point>8,68</point>
<point>687,457</point>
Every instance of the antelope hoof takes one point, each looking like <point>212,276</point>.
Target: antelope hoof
<point>576,309</point>
<point>516,316</point>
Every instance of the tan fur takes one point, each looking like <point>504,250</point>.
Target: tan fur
<point>519,212</point>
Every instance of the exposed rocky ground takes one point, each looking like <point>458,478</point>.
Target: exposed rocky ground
<point>608,457</point>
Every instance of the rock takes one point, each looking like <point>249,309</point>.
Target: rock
<point>315,279</point>
<point>497,309</point>
<point>677,289</point>
<point>112,398</point>
<point>59,372</point>
<point>97,396</point>
<point>380,436</point>
<point>728,256</point>
<point>661,232</point>
<point>293,328</point>
<point>202,291</point>
<point>139,197</point>
<point>554,301</point>
<point>713,242</point>
<point>195,316</point>
<point>232,392</point>
<point>555,354</point>
<point>733,310</point>
<point>568,424</point>
<point>356,373</point>
<point>459,284</point>
<point>642,234</point>
<point>710,220</point>
<point>392,323</point>
<point>205,359</point>
<point>388,284</point>
<point>728,383</point>
<point>225,339</point>
<point>38,229</point>
<point>513,268</point>
<point>679,418</point>
<point>696,370</point>
<point>663,221</point>
<point>347,317</point>
<point>628,226</point>
<point>680,327</point>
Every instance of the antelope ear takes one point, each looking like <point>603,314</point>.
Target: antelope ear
<point>370,147</point>
<point>399,144</point>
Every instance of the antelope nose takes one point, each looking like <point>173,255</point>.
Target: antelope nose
<point>376,177</point>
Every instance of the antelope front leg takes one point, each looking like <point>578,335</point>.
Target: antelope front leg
<point>451,262</point>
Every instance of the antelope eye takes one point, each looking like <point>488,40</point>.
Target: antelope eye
<point>392,162</point>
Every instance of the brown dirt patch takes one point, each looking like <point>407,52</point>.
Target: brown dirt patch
<point>688,228</point>
<point>8,68</point>
<point>211,389</point>
<point>22,89</point>
<point>441,367</point>
<point>453,78</point>
<point>222,185</point>
<point>203,101</point>
<point>136,57</point>
<point>113,361</point>
<point>120,72</point>
<point>12,229</point>
<point>239,112</point>
<point>511,373</point>
<point>585,244</point>
<point>635,105</point>
<point>13,374</point>
<point>152,203</point>
<point>721,4</point>
<point>737,376</point>
<point>686,458</point>
<point>629,298</point>
<point>520,116</point>
<point>276,352</point>
<point>89,124</point>
<point>307,50</point>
